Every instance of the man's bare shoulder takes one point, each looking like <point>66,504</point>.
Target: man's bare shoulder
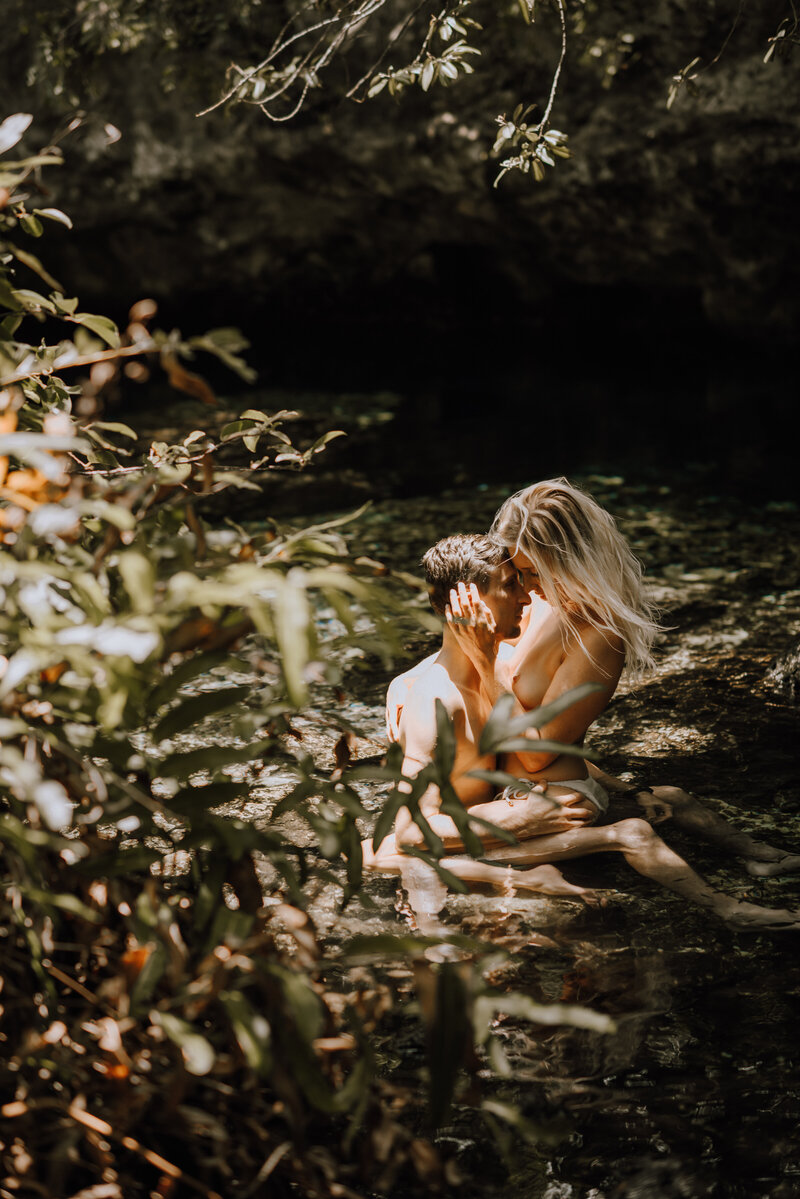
<point>416,725</point>
<point>412,695</point>
<point>401,684</point>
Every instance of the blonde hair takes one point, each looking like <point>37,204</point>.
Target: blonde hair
<point>587,571</point>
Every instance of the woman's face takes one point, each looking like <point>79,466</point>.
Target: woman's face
<point>527,572</point>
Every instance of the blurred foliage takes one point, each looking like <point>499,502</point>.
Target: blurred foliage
<point>165,1023</point>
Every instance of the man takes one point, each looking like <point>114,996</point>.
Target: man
<point>474,583</point>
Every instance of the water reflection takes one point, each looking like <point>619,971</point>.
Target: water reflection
<point>696,1093</point>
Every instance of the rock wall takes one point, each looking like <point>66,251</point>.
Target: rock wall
<point>378,208</point>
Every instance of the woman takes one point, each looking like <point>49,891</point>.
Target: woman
<point>589,619</point>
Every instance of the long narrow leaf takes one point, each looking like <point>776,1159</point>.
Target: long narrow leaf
<point>197,707</point>
<point>448,1040</point>
<point>501,725</point>
<point>448,878</point>
<point>445,740</point>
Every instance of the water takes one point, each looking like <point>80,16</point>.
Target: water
<point>697,1093</point>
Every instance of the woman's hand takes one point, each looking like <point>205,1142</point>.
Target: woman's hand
<point>567,813</point>
<point>473,625</point>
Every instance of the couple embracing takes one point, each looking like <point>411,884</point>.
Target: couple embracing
<point>550,599</point>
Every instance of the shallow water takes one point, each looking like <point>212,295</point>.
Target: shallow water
<point>698,1091</point>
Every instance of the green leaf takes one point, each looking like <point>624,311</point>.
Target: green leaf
<point>139,579</point>
<point>292,619</point>
<point>252,1031</point>
<point>514,1003</point>
<point>387,817</point>
<point>355,859</point>
<point>104,328</point>
<point>129,862</point>
<point>8,297</point>
<point>445,740</point>
<point>187,670</point>
<point>212,757</point>
<point>386,945</point>
<point>448,1039</point>
<point>321,442</point>
<point>294,798</point>
<point>194,800</point>
<point>448,878</point>
<point>33,301</point>
<point>197,707</point>
<point>33,264</point>
<point>114,514</point>
<point>527,745</point>
<point>501,725</point>
<point>198,1053</point>
<point>498,778</point>
<point>66,306</point>
<point>112,426</point>
<point>31,225</point>
<point>302,1002</point>
<point>54,214</point>
<point>67,903</point>
<point>574,696</point>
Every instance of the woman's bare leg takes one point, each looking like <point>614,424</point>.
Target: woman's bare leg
<point>546,879</point>
<point>761,860</point>
<point>648,855</point>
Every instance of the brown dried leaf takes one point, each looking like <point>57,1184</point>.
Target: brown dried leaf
<point>183,380</point>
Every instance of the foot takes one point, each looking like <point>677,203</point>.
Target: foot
<point>785,863</point>
<point>547,880</point>
<point>749,917</point>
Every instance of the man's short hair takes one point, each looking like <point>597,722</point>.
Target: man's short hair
<point>464,557</point>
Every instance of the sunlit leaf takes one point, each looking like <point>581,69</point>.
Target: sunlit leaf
<point>104,328</point>
<point>13,129</point>
<point>54,214</point>
<point>198,1053</point>
<point>292,628</point>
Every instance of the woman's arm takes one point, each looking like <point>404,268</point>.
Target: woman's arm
<point>602,664</point>
<point>604,667</point>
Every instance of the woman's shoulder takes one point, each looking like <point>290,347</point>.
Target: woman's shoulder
<point>599,648</point>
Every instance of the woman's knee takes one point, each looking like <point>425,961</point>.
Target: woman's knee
<point>633,833</point>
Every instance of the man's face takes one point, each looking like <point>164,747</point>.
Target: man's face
<point>506,598</point>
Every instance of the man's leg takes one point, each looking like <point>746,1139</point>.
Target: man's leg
<point>648,854</point>
<point>761,860</point>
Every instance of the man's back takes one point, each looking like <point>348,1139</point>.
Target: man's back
<point>411,721</point>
